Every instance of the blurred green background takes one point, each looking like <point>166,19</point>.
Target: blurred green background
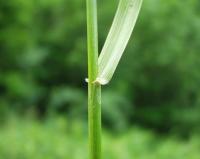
<point>151,109</point>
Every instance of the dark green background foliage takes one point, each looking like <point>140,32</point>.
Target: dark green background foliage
<point>43,64</point>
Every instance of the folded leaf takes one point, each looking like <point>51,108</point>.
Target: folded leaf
<point>117,39</point>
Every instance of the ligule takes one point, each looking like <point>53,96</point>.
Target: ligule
<point>117,39</point>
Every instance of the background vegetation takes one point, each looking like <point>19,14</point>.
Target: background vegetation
<point>150,109</point>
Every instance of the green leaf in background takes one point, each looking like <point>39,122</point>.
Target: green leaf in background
<point>117,39</point>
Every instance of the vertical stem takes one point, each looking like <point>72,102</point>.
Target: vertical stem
<point>94,90</point>
<point>94,116</point>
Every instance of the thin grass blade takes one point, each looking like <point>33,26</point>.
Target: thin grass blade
<point>117,39</point>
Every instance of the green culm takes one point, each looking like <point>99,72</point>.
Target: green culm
<point>102,67</point>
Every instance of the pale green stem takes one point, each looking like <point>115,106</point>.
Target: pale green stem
<point>94,89</point>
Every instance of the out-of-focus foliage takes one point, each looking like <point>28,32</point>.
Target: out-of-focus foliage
<point>22,139</point>
<point>43,63</point>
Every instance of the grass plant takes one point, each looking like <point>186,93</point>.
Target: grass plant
<point>102,68</point>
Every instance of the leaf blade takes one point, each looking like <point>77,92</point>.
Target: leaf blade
<point>117,39</point>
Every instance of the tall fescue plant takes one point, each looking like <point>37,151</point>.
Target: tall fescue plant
<point>101,68</point>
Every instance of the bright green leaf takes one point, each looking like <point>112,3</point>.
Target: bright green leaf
<point>118,37</point>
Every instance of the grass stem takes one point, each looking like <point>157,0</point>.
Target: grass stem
<point>94,89</point>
